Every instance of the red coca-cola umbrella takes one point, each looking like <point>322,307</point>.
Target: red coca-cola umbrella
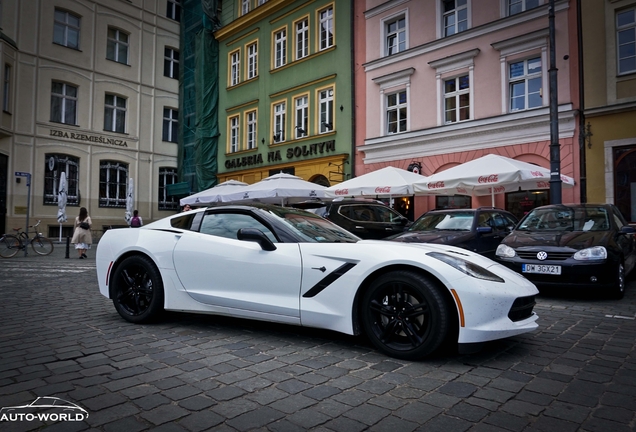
<point>488,175</point>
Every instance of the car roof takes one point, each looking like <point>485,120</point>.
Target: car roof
<point>574,205</point>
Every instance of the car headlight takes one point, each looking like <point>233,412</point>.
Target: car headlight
<point>593,253</point>
<point>466,267</point>
<point>505,251</point>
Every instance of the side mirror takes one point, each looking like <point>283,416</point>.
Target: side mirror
<point>625,229</point>
<point>484,230</point>
<point>256,235</point>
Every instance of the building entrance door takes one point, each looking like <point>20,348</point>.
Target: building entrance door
<point>625,181</point>
<point>4,165</point>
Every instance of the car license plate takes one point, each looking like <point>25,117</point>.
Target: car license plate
<point>541,269</point>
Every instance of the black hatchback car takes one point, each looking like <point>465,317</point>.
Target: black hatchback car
<point>479,230</point>
<point>368,219</point>
<point>572,245</point>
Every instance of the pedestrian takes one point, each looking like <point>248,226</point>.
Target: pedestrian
<point>136,220</point>
<point>82,237</point>
<point>187,208</point>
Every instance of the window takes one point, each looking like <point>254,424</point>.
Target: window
<point>227,225</point>
<point>325,110</point>
<point>115,114</point>
<point>171,63</point>
<point>6,88</point>
<point>63,103</point>
<point>167,176</point>
<point>234,134</point>
<point>262,2</point>
<point>170,125</point>
<point>280,41</point>
<point>174,10</point>
<point>66,29</point>
<point>117,46</point>
<point>252,60</point>
<point>396,112</point>
<point>395,35</point>
<point>302,39</point>
<point>245,6</point>
<point>518,6</point>
<point>235,67</point>
<point>54,166</point>
<point>626,40</point>
<point>113,184</point>
<point>326,28</point>
<point>279,122</point>
<point>455,16</point>
<point>525,84</point>
<point>457,99</point>
<point>302,117</point>
<point>251,130</point>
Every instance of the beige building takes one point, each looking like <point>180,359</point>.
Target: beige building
<point>90,89</point>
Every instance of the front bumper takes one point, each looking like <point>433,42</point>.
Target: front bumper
<point>574,274</point>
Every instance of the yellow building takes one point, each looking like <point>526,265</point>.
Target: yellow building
<point>609,73</point>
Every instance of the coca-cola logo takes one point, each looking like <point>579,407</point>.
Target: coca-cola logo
<point>536,173</point>
<point>492,178</point>
<point>499,189</point>
<point>436,185</point>
<point>543,184</point>
<point>342,191</point>
<point>383,189</point>
<point>462,191</point>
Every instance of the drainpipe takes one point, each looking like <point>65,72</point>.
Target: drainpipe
<point>352,163</point>
<point>582,131</point>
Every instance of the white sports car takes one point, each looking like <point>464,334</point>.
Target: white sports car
<point>285,265</point>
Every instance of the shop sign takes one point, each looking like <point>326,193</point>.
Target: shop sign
<point>276,155</point>
<point>89,138</point>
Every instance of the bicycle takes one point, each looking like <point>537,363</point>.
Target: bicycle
<point>11,244</point>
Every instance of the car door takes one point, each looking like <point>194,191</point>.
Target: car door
<point>625,241</point>
<point>219,270</point>
<point>488,241</point>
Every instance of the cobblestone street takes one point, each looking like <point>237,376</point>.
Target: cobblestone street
<point>61,338</point>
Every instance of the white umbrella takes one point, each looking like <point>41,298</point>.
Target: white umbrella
<point>488,175</point>
<point>214,194</point>
<point>130,204</point>
<point>278,188</point>
<point>62,195</point>
<point>385,182</point>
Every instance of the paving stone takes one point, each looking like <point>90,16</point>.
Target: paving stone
<point>367,414</point>
<point>417,412</point>
<point>507,421</point>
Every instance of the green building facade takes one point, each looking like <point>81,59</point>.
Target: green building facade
<point>285,90</point>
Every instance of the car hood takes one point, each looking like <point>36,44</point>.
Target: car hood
<point>571,239</point>
<point>441,237</point>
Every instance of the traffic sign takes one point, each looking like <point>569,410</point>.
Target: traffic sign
<point>22,174</point>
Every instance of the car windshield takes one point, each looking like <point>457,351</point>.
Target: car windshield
<point>566,219</point>
<point>455,221</point>
<point>313,228</point>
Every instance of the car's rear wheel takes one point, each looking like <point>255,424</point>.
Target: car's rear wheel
<point>137,289</point>
<point>404,315</point>
<point>619,284</point>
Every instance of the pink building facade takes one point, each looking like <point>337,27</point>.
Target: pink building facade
<point>442,82</point>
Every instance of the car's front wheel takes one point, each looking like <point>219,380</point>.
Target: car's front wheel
<point>619,285</point>
<point>404,315</point>
<point>137,289</point>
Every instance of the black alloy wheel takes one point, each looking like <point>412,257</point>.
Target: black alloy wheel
<point>404,315</point>
<point>137,289</point>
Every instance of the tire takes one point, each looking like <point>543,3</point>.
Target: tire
<point>9,246</point>
<point>618,292</point>
<point>137,289</point>
<point>404,315</point>
<point>42,245</point>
